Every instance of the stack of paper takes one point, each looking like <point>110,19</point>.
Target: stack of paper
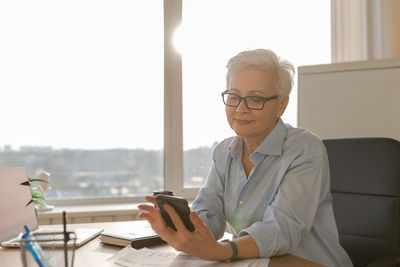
<point>147,257</point>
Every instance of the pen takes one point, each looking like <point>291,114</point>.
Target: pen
<point>66,238</point>
<point>35,248</point>
<point>32,250</point>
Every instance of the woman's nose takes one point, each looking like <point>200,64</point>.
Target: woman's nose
<point>241,107</point>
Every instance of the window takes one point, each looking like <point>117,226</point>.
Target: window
<point>92,90</point>
<point>82,94</point>
<point>298,31</point>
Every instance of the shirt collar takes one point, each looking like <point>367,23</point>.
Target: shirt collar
<point>235,147</point>
<point>272,144</point>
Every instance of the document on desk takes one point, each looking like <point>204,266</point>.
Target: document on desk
<point>147,257</point>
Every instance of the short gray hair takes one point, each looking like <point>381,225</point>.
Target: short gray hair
<point>263,59</point>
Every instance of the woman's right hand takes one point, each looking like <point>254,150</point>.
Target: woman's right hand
<point>200,243</point>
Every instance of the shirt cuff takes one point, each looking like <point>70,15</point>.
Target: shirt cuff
<point>267,239</point>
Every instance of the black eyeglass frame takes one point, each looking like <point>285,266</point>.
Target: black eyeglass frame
<point>264,99</point>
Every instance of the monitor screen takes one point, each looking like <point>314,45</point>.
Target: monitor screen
<point>14,211</point>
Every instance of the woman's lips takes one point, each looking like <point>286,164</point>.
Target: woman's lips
<point>243,122</point>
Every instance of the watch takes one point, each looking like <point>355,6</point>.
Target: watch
<point>234,250</point>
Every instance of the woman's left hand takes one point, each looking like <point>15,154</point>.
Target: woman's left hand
<point>200,243</point>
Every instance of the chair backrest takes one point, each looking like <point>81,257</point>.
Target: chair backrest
<point>365,185</point>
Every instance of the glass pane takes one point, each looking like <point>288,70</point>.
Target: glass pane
<point>298,31</point>
<point>82,94</point>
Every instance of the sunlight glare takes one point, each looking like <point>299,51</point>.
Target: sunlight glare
<point>178,39</point>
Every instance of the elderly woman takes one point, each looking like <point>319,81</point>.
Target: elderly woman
<point>270,182</point>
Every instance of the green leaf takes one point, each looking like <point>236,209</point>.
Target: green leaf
<point>39,201</point>
<point>32,180</point>
<point>37,193</point>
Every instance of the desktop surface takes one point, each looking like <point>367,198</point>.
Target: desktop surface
<point>95,253</point>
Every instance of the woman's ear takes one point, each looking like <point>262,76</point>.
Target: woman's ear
<point>282,105</point>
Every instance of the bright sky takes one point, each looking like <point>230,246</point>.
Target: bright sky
<point>89,73</point>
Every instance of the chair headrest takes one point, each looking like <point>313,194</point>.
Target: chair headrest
<point>364,165</point>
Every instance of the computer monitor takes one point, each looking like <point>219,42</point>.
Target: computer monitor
<point>14,197</point>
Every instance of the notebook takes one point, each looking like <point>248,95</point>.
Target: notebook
<point>14,213</point>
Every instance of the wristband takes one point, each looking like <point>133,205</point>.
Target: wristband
<point>234,250</point>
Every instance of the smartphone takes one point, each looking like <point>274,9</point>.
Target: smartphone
<point>164,192</point>
<point>180,205</point>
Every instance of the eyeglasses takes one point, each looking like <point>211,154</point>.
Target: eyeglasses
<point>251,102</point>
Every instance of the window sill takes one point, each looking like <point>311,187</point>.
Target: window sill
<point>90,213</point>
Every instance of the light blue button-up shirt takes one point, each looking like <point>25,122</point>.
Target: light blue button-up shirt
<point>285,203</point>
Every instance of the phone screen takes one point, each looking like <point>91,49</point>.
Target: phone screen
<point>181,207</point>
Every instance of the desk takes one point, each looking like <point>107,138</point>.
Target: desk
<point>94,253</point>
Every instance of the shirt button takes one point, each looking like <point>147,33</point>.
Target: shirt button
<point>242,173</point>
<point>241,202</point>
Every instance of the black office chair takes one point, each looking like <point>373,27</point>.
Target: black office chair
<point>365,185</point>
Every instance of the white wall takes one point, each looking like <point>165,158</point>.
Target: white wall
<point>355,99</point>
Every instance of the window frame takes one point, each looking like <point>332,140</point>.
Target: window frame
<point>173,115</point>
<point>173,118</point>
<point>173,122</point>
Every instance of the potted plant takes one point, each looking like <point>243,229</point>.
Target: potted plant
<point>38,186</point>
